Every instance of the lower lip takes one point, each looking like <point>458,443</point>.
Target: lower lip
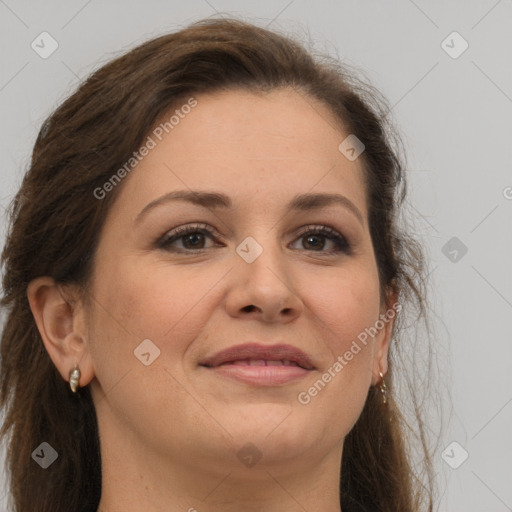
<point>261,375</point>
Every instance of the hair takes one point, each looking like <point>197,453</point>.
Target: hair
<point>55,225</point>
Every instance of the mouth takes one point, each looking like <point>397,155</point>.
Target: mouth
<point>262,362</point>
<point>260,365</point>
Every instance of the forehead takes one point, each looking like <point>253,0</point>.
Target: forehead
<point>266,145</point>
<point>261,124</point>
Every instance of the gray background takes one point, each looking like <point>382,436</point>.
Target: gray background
<point>455,118</point>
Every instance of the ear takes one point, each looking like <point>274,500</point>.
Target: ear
<point>382,341</point>
<point>61,324</point>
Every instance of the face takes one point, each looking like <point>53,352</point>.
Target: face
<point>256,271</point>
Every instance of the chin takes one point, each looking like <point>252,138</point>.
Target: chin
<point>279,436</point>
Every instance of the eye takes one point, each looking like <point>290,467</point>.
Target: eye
<point>193,237</point>
<point>314,237</point>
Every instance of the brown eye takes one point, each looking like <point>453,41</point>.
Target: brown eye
<point>314,238</point>
<point>192,238</point>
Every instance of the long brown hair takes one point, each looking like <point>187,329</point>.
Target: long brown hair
<point>55,222</point>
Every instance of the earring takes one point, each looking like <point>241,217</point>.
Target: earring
<point>383,388</point>
<point>74,378</point>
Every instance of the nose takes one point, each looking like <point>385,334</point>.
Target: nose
<point>264,289</point>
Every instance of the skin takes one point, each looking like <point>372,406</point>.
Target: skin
<point>170,431</point>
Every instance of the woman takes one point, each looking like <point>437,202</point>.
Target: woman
<point>204,278</point>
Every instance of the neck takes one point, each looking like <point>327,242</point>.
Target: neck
<point>136,477</point>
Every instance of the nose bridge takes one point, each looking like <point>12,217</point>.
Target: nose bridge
<point>263,280</point>
<point>261,255</point>
<point>265,266</point>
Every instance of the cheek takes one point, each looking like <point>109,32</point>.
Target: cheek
<point>137,300</point>
<point>344,304</point>
<point>133,304</point>
<point>167,309</point>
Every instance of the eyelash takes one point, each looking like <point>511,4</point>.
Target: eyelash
<point>339,240</point>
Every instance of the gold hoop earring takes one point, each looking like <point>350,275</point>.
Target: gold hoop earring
<point>74,378</point>
<point>383,389</point>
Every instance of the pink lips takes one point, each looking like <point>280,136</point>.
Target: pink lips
<point>261,365</point>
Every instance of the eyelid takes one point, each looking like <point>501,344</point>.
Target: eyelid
<point>337,237</point>
<point>318,227</point>
<point>185,229</point>
<point>342,244</point>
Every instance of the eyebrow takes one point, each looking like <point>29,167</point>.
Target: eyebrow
<point>218,200</point>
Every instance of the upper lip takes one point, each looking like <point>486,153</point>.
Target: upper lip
<point>257,351</point>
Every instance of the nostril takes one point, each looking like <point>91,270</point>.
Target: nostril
<point>248,309</point>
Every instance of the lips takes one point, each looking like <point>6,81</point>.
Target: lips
<point>262,362</point>
<point>254,354</point>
